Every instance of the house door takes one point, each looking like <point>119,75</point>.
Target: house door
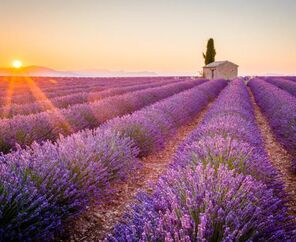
<point>213,73</point>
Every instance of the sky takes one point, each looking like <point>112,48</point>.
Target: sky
<point>163,36</point>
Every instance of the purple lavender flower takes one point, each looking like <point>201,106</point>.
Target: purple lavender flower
<point>48,125</point>
<point>150,126</point>
<point>220,187</point>
<point>229,135</point>
<point>66,175</point>
<point>285,84</point>
<point>75,98</point>
<point>280,110</point>
<point>205,204</point>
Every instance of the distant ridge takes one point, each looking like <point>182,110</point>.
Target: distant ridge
<point>33,71</point>
<point>45,71</point>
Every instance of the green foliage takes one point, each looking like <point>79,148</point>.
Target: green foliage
<point>211,52</point>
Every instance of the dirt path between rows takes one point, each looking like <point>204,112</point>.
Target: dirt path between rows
<point>98,220</point>
<point>278,156</point>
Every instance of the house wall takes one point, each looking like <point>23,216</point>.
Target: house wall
<point>226,71</point>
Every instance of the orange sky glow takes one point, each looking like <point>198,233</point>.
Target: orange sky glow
<point>164,36</point>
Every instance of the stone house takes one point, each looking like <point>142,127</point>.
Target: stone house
<point>220,70</point>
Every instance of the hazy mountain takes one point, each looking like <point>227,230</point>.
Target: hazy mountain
<point>45,71</point>
<point>33,71</point>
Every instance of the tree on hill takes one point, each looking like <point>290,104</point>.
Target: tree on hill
<point>211,52</point>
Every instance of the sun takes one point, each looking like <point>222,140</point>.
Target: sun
<point>17,64</point>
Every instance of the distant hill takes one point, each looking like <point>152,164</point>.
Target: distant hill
<point>45,71</point>
<point>33,71</point>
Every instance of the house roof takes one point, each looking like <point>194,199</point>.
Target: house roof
<point>218,63</point>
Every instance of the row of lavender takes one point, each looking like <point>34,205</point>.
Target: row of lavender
<point>52,83</point>
<point>76,98</point>
<point>42,186</point>
<point>285,84</point>
<point>290,78</point>
<point>221,186</point>
<point>22,87</point>
<point>280,109</point>
<point>51,124</point>
<point>12,93</point>
<point>46,82</point>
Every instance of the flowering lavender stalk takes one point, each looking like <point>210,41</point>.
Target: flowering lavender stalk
<point>205,204</point>
<point>280,110</point>
<point>23,211</point>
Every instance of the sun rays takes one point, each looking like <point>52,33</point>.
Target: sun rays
<point>9,96</point>
<point>40,96</point>
<point>29,84</point>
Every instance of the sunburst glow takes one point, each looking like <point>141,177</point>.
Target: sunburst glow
<point>17,64</point>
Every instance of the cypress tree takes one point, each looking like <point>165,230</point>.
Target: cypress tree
<point>211,52</point>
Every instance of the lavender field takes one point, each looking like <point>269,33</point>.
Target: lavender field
<point>147,159</point>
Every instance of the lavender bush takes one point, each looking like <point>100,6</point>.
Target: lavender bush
<point>150,126</point>
<point>285,84</point>
<point>49,125</point>
<point>57,86</point>
<point>220,187</point>
<point>22,207</point>
<point>22,94</point>
<point>76,98</point>
<point>232,153</point>
<point>204,204</point>
<point>63,177</point>
<point>229,135</point>
<point>280,110</point>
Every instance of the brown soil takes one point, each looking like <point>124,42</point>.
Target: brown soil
<point>98,220</point>
<point>278,156</point>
